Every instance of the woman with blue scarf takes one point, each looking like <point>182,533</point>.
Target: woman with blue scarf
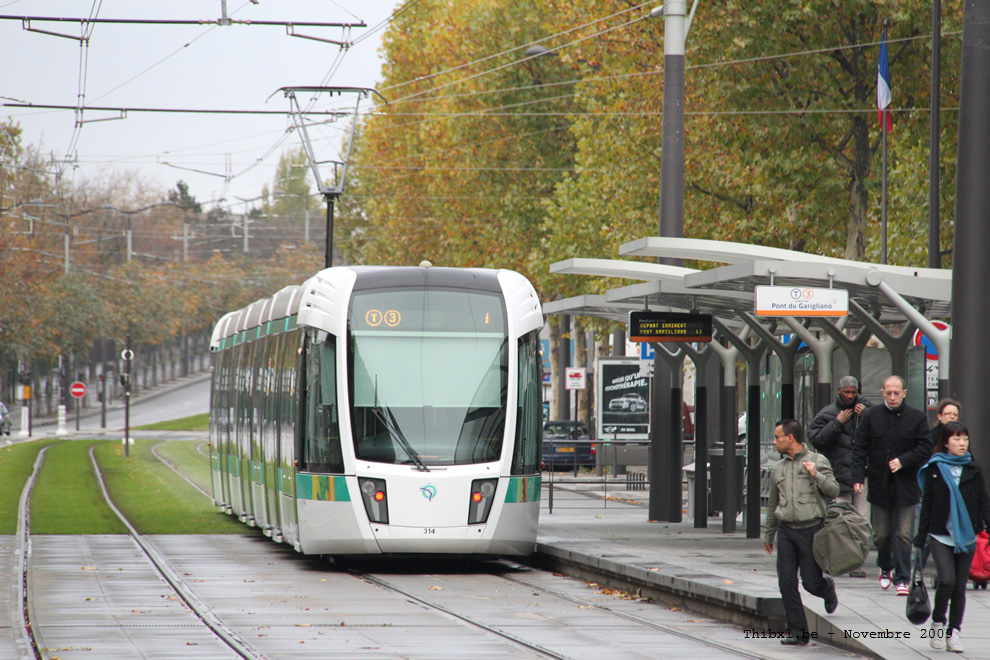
<point>954,507</point>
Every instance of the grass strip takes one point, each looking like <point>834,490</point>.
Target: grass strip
<point>199,422</point>
<point>67,498</point>
<point>154,498</point>
<point>186,457</point>
<point>16,462</point>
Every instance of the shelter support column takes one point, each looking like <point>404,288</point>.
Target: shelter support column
<point>853,346</point>
<point>939,337</point>
<point>700,359</point>
<point>896,345</point>
<point>753,354</point>
<point>667,489</point>
<point>728,431</point>
<point>787,352</point>
<point>822,348</point>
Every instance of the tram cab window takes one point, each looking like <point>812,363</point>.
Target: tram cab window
<point>428,375</point>
<point>321,431</point>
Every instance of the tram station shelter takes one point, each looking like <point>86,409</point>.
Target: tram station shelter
<point>884,301</point>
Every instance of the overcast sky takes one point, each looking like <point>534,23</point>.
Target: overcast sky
<point>235,67</point>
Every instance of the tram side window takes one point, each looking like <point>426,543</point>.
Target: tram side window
<point>529,411</point>
<point>321,441</point>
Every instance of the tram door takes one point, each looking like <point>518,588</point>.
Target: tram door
<point>245,432</point>
<point>219,426</point>
<point>262,375</point>
<point>272,394</point>
<point>238,370</point>
<point>288,424</point>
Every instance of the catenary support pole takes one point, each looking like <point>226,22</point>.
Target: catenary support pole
<point>934,132</point>
<point>971,242</point>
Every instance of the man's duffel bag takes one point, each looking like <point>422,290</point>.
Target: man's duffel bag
<point>845,540</point>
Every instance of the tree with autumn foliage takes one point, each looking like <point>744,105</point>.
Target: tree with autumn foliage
<point>781,141</point>
<point>455,167</point>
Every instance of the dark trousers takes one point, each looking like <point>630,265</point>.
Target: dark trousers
<point>794,555</point>
<point>893,528</point>
<point>953,573</point>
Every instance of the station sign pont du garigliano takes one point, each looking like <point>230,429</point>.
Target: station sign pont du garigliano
<point>800,301</point>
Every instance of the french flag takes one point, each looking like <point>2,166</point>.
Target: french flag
<point>883,85</point>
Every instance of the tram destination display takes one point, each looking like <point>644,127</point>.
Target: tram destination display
<point>646,325</point>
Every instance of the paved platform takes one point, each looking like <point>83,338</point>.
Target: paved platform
<point>730,576</point>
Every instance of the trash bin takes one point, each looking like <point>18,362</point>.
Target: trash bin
<point>717,462</point>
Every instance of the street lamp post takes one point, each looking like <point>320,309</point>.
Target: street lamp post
<point>672,138</point>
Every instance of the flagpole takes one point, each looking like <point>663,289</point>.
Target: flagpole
<point>883,100</point>
<point>883,194</point>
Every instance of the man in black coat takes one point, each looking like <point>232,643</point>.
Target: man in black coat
<point>832,432</point>
<point>892,442</point>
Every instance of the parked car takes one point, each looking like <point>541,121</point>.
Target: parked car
<point>566,445</point>
<point>4,420</point>
<point>630,402</point>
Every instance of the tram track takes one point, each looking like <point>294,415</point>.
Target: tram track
<point>705,646</point>
<point>219,629</point>
<point>514,639</point>
<point>154,451</point>
<point>26,640</point>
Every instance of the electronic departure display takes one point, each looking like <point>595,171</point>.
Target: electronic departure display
<point>646,325</point>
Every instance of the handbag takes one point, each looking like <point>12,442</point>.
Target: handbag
<point>918,607</point>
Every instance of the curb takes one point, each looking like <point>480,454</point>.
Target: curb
<point>749,605</point>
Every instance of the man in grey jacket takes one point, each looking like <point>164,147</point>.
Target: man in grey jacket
<point>800,482</point>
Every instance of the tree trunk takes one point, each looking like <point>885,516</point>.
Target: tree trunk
<point>859,172</point>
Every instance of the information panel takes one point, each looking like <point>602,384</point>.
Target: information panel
<point>646,325</point>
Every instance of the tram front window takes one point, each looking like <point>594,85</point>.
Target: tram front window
<point>428,376</point>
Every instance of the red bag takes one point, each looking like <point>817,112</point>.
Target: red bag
<point>980,570</point>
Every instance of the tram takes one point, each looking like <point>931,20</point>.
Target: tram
<point>383,410</point>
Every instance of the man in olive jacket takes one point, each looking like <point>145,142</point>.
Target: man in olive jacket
<point>800,482</point>
<point>892,442</point>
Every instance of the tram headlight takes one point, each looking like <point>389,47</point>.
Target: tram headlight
<point>375,499</point>
<point>482,497</point>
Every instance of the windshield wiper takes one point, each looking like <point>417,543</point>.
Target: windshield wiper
<point>385,416</point>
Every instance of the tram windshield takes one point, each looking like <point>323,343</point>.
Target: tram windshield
<point>428,376</point>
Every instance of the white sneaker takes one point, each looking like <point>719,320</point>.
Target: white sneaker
<point>938,636</point>
<point>952,642</point>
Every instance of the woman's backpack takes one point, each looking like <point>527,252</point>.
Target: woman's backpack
<point>845,540</point>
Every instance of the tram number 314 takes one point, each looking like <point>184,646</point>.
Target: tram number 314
<point>429,530</point>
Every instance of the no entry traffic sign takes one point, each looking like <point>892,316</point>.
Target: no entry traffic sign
<point>78,389</point>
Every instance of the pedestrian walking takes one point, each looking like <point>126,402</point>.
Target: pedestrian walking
<point>948,410</point>
<point>832,432</point>
<point>800,482</point>
<point>954,508</point>
<point>892,442</point>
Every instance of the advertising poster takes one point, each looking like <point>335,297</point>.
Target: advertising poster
<point>623,398</point>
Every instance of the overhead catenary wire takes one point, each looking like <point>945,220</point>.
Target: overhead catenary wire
<point>426,116</point>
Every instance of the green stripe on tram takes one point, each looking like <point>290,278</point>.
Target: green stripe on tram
<point>322,487</point>
<point>523,489</point>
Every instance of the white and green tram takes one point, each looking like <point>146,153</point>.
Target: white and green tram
<point>381,410</point>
